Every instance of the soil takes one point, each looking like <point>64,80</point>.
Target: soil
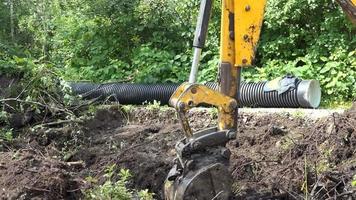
<point>277,156</point>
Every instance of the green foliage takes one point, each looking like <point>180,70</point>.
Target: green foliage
<point>6,135</point>
<point>3,117</point>
<point>11,64</point>
<point>153,65</point>
<point>312,40</point>
<point>112,190</point>
<point>116,189</point>
<point>150,41</point>
<point>37,92</point>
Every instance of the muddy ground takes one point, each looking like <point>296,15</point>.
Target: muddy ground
<point>279,156</point>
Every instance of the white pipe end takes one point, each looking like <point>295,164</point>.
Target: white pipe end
<point>309,93</point>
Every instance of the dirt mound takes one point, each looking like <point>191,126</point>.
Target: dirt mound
<point>273,157</point>
<point>25,175</point>
<point>280,155</point>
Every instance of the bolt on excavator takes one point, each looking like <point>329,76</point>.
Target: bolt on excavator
<point>200,170</point>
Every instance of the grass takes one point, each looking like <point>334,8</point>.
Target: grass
<point>336,105</point>
<point>298,114</point>
<point>353,183</point>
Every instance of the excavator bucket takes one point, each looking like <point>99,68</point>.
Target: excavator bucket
<point>201,168</point>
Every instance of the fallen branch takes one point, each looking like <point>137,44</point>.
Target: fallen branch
<point>34,103</point>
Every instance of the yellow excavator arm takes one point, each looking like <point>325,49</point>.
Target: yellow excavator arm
<point>201,167</point>
<point>200,170</point>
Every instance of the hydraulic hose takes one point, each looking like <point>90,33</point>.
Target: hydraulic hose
<point>306,93</point>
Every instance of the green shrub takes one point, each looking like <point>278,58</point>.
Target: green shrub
<point>150,41</point>
<point>116,189</point>
<point>311,39</point>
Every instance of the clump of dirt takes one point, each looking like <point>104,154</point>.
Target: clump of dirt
<point>273,157</point>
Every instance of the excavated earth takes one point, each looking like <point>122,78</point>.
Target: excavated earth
<point>275,156</point>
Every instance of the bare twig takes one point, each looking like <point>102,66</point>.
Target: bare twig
<point>37,189</point>
<point>217,195</point>
<point>24,101</point>
<point>75,190</point>
<point>28,85</point>
<point>36,103</point>
<point>31,170</point>
<point>346,193</point>
<point>7,105</point>
<point>86,104</point>
<point>77,163</point>
<point>60,122</point>
<point>327,193</point>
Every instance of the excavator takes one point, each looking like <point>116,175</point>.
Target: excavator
<point>200,170</point>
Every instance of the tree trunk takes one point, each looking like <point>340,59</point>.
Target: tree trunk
<point>12,25</point>
<point>349,8</point>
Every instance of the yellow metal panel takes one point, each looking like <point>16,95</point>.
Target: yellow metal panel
<point>227,47</point>
<point>229,75</point>
<point>189,95</point>
<point>248,22</point>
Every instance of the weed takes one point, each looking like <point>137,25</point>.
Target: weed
<point>286,143</point>
<point>323,166</point>
<point>6,135</point>
<point>145,195</point>
<point>91,179</point>
<point>326,152</point>
<point>164,108</point>
<point>117,189</point>
<point>298,114</point>
<point>128,108</point>
<point>213,113</point>
<point>155,105</point>
<point>337,105</point>
<point>92,110</point>
<point>4,117</point>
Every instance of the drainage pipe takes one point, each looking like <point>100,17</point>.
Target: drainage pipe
<point>305,94</point>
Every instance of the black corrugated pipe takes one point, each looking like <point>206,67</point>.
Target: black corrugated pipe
<point>304,94</point>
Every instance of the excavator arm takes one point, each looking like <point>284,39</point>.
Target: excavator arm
<point>200,170</point>
<point>201,167</point>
